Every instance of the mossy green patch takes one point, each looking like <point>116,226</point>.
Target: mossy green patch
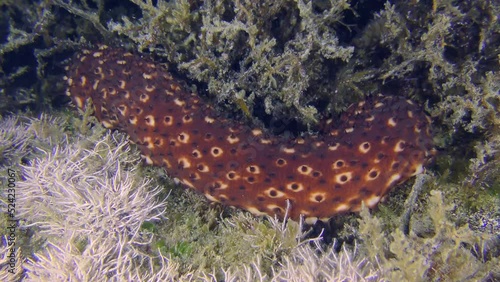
<point>289,59</point>
<point>447,253</point>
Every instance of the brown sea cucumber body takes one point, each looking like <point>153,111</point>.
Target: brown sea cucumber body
<point>380,143</point>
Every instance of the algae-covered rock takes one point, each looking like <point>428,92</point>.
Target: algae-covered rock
<point>84,203</point>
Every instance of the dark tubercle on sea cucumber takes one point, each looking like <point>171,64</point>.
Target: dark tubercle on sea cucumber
<point>379,144</point>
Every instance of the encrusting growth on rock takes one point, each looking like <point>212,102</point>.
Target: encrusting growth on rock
<point>380,142</point>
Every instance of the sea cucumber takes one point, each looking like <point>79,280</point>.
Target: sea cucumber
<point>379,143</point>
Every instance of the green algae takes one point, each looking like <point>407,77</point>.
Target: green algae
<point>289,60</point>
